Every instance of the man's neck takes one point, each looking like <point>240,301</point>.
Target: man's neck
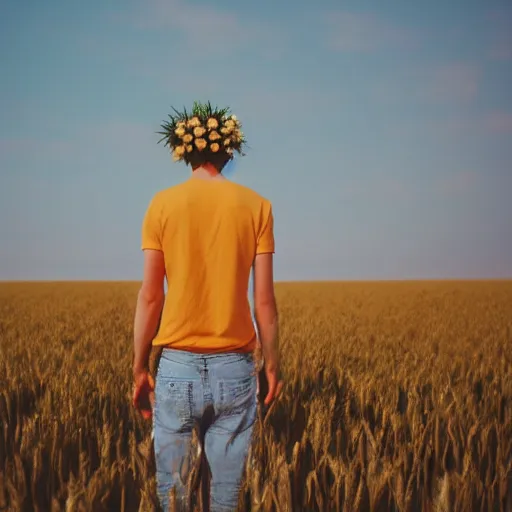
<point>207,172</point>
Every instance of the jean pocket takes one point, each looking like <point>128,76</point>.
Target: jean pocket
<point>235,395</point>
<point>175,398</point>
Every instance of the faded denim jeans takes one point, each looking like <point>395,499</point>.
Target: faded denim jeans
<point>189,388</point>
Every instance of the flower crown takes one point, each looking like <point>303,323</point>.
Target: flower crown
<point>205,130</point>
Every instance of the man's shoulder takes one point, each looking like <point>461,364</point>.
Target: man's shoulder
<point>250,193</point>
<point>169,192</point>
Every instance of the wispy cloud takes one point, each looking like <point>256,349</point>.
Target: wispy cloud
<point>445,84</point>
<point>463,127</point>
<point>498,122</point>
<point>194,20</point>
<point>500,47</point>
<point>457,81</point>
<point>209,29</point>
<point>10,145</point>
<point>364,33</point>
<point>457,183</point>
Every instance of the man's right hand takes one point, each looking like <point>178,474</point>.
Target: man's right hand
<point>274,383</point>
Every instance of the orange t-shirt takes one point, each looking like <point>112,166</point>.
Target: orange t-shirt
<point>210,232</point>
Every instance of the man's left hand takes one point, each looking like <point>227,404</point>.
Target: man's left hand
<point>143,393</point>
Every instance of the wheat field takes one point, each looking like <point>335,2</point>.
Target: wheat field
<point>398,397</point>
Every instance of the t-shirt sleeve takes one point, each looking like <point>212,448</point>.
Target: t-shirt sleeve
<point>151,232</point>
<point>265,242</point>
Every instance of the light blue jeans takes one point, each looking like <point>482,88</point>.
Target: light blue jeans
<point>217,394</point>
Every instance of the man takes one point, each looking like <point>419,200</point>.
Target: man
<point>204,236</point>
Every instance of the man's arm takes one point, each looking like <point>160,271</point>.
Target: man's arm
<point>150,302</point>
<point>265,312</point>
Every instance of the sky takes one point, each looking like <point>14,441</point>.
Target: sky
<point>380,131</point>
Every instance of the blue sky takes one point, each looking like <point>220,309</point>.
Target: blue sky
<point>381,131</point>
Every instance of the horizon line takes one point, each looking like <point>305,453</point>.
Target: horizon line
<point>280,281</point>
